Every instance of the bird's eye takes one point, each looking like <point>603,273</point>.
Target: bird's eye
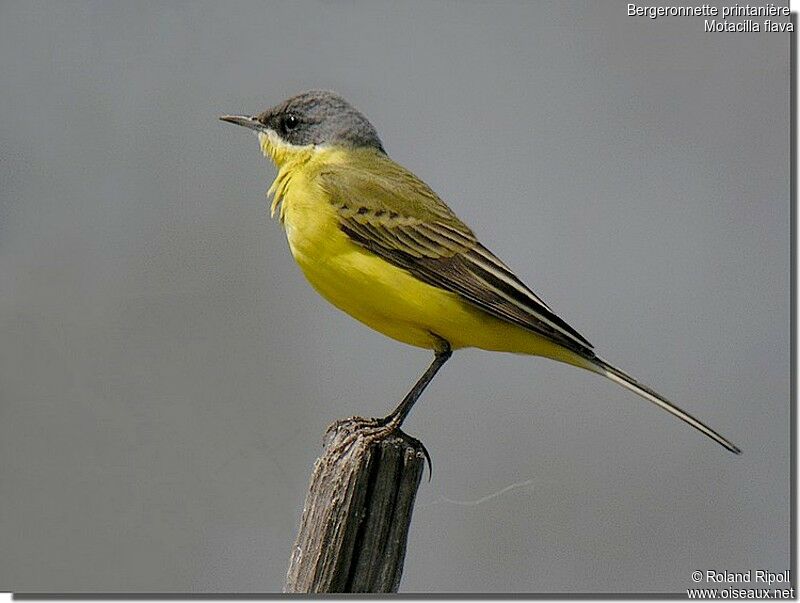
<point>290,122</point>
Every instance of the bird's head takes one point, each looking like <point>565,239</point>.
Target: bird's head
<point>308,120</point>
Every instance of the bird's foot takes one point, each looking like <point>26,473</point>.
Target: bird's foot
<point>377,428</point>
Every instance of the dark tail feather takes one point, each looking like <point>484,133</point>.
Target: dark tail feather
<point>602,367</point>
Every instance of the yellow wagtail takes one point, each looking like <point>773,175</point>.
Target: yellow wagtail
<point>379,244</point>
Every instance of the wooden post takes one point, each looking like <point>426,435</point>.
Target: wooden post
<point>353,532</point>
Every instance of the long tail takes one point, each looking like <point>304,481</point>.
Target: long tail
<point>601,367</point>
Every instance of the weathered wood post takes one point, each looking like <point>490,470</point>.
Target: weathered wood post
<point>353,531</point>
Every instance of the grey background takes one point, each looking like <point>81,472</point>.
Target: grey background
<point>166,374</point>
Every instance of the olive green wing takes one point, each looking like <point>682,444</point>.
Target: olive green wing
<point>396,216</point>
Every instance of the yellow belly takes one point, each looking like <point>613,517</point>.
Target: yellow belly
<point>389,299</point>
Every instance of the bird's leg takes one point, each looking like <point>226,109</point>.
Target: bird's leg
<point>398,415</point>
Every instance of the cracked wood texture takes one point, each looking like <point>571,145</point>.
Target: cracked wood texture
<point>353,532</point>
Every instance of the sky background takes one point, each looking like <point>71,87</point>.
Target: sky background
<point>166,374</point>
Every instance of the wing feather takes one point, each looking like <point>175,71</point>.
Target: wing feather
<point>397,217</point>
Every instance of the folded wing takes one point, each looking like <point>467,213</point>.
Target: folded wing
<point>396,216</point>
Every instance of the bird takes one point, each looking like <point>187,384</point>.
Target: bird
<point>376,242</point>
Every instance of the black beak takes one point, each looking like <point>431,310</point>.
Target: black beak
<point>243,120</point>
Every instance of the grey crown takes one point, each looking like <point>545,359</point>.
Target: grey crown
<point>321,117</point>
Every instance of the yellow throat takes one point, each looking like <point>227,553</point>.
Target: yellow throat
<point>288,158</point>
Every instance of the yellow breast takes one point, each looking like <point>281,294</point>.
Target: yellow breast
<point>368,288</point>
<point>352,279</point>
